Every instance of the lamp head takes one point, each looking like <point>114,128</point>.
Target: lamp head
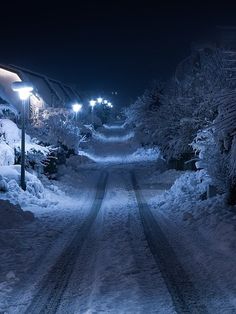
<point>24,89</point>
<point>92,103</point>
<point>76,107</point>
<point>99,100</point>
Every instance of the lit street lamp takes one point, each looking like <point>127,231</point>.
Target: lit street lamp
<point>109,104</point>
<point>99,100</point>
<point>76,108</point>
<point>24,90</point>
<point>92,104</point>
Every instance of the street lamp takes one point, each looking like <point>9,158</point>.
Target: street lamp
<point>24,90</point>
<point>76,108</point>
<point>92,104</point>
<point>99,100</point>
<point>109,104</point>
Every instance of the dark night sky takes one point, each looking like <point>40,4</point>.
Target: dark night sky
<point>106,46</point>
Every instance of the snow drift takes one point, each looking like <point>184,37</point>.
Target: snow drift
<point>10,180</point>
<point>13,216</point>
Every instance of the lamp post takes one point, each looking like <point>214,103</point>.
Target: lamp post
<point>24,90</point>
<point>92,104</point>
<point>76,108</point>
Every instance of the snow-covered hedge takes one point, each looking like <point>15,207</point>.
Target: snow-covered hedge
<point>57,127</point>
<point>10,144</point>
<point>10,182</point>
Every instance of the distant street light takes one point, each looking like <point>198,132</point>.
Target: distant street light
<point>76,108</point>
<point>105,101</point>
<point>109,104</point>
<point>99,100</point>
<point>24,90</point>
<point>92,104</point>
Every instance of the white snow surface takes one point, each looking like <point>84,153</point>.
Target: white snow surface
<point>115,271</point>
<point>10,140</point>
<point>202,231</point>
<point>28,252</point>
<point>103,138</point>
<point>115,145</point>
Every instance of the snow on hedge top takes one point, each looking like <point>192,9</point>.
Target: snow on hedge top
<point>10,180</point>
<point>5,108</point>
<point>10,131</point>
<point>11,135</point>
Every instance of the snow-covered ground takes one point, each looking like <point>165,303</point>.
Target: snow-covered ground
<point>115,271</point>
<point>201,230</point>
<point>29,250</point>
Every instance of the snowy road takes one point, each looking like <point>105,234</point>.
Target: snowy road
<point>52,288</point>
<point>119,256</point>
<point>118,262</point>
<point>115,271</point>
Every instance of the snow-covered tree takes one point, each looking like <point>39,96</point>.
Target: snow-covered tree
<point>186,104</point>
<point>58,127</point>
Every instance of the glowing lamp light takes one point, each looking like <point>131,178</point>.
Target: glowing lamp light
<point>92,103</point>
<point>99,100</point>
<point>76,107</point>
<point>24,89</point>
<point>109,104</point>
<point>105,101</point>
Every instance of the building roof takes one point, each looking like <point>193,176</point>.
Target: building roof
<point>53,92</point>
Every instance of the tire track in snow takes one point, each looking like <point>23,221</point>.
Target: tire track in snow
<point>184,295</point>
<point>49,295</point>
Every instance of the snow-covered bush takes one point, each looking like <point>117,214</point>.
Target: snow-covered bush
<point>8,111</point>
<point>210,158</point>
<point>171,117</point>
<point>10,182</point>
<point>7,154</point>
<point>10,144</point>
<point>217,146</point>
<point>57,126</point>
<point>142,113</point>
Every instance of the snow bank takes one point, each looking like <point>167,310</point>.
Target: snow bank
<point>186,190</point>
<point>10,131</point>
<point>103,138</point>
<point>13,216</point>
<point>113,127</point>
<point>7,154</point>
<point>10,140</point>
<point>186,200</point>
<point>5,109</point>
<point>140,155</point>
<point>10,181</point>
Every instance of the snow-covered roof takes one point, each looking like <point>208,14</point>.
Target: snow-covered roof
<point>53,92</point>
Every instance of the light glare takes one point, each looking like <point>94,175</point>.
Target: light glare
<point>77,107</point>
<point>24,89</point>
<point>92,103</point>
